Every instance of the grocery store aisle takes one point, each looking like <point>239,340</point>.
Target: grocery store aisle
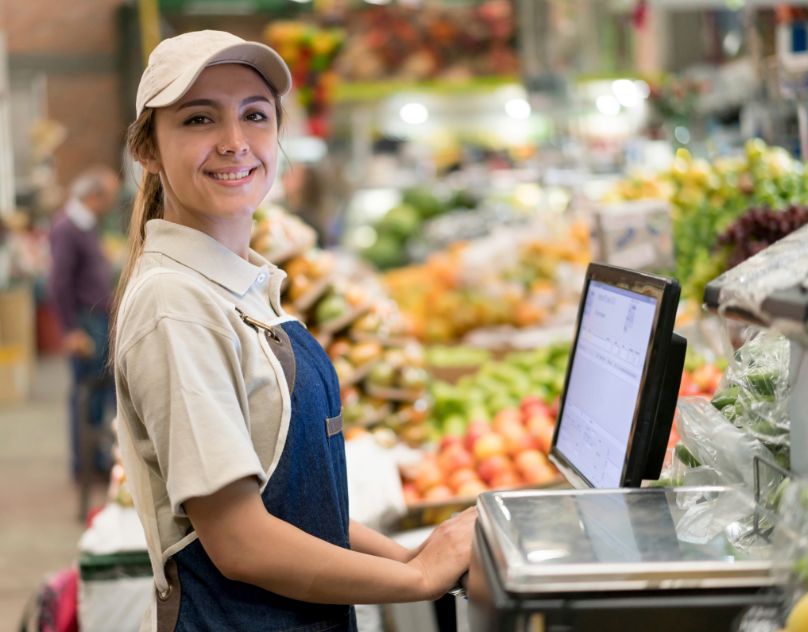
<point>39,528</point>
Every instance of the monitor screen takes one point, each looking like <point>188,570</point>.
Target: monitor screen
<point>603,390</point>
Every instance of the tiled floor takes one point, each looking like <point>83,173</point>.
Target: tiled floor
<point>39,525</point>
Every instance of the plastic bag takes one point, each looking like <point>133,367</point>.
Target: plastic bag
<point>710,515</point>
<point>716,450</point>
<point>754,393</point>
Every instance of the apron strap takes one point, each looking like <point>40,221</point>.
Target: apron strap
<point>280,344</point>
<point>168,601</point>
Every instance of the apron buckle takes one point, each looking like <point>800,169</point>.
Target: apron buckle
<point>258,325</point>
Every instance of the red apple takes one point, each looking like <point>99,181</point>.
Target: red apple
<point>506,479</point>
<point>428,475</point>
<point>448,440</point>
<point>493,466</point>
<point>476,429</point>
<point>544,440</point>
<point>488,445</point>
<point>438,492</point>
<point>453,458</point>
<point>471,489</point>
<point>517,439</point>
<point>529,459</point>
<point>460,477</point>
<point>411,495</point>
<point>536,424</point>
<point>506,417</point>
<point>539,474</point>
<point>554,407</point>
<point>531,400</point>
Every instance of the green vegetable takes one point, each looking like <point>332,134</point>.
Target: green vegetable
<point>686,456</point>
<point>763,383</point>
<point>801,569</point>
<point>725,397</point>
<point>763,427</point>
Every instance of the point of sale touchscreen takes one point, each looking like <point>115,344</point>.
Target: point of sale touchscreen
<point>604,381</point>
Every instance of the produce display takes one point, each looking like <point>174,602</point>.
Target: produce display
<point>510,451</point>
<point>428,42</point>
<point>496,386</point>
<point>310,52</point>
<point>526,277</point>
<point>639,187</point>
<point>757,229</point>
<point>708,197</point>
<point>381,367</point>
<point>396,228</point>
<point>493,428</point>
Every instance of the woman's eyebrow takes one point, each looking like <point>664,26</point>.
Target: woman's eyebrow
<point>211,103</point>
<point>255,98</point>
<point>196,103</point>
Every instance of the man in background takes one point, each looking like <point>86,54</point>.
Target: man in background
<point>81,289</point>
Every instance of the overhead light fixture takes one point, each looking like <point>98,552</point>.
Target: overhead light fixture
<point>518,109</point>
<point>414,113</point>
<point>607,105</point>
<point>681,134</point>
<point>627,93</point>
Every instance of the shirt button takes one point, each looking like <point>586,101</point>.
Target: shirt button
<point>261,278</point>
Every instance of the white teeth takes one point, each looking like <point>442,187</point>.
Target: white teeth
<point>238,175</point>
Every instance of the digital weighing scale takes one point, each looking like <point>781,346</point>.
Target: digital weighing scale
<point>610,556</point>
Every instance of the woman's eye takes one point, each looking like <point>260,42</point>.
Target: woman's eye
<point>197,119</point>
<point>257,116</point>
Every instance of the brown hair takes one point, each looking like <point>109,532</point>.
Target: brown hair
<point>141,141</point>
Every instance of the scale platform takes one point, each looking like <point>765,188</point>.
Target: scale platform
<point>593,559</point>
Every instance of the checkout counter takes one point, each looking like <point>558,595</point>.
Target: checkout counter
<point>608,554</point>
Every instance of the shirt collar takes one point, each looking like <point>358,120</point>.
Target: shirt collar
<point>203,253</point>
<point>80,215</point>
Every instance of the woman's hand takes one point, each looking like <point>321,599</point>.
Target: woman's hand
<point>445,554</point>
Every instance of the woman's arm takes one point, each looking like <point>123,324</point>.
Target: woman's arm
<point>248,544</point>
<point>367,540</point>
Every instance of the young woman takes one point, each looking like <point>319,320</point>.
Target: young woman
<point>229,411</point>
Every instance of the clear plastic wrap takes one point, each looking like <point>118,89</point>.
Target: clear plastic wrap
<point>754,393</point>
<point>715,451</point>
<point>782,265</point>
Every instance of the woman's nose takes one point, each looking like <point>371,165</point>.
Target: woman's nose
<point>232,141</point>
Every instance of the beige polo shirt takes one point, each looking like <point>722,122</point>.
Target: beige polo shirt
<point>202,400</point>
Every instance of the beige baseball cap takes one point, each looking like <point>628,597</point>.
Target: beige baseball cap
<point>176,63</point>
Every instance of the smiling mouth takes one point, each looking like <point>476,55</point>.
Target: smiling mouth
<point>231,175</point>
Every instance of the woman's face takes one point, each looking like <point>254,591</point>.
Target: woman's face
<point>217,149</point>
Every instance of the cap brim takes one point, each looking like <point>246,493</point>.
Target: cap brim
<point>262,58</point>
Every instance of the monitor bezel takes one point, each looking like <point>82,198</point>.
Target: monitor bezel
<point>666,292</point>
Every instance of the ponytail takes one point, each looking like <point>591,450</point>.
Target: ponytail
<point>148,205</point>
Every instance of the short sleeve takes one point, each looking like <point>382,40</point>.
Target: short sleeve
<point>185,384</point>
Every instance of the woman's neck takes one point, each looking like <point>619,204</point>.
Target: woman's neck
<point>232,232</point>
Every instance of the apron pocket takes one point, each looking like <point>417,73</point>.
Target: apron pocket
<point>333,425</point>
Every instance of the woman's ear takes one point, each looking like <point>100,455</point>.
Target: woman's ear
<point>150,163</point>
<point>149,158</point>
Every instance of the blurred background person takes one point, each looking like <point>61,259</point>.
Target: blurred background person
<point>80,284</point>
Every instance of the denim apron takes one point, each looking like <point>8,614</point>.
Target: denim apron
<point>308,489</point>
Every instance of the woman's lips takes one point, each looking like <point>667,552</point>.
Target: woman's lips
<point>232,176</point>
